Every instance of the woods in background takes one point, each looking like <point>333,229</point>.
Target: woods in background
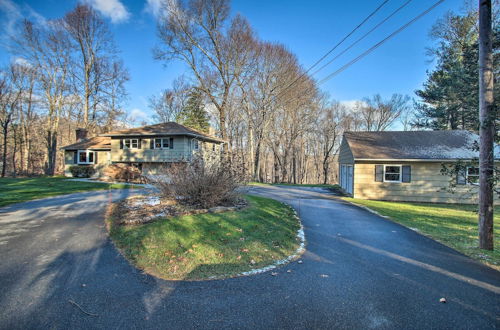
<point>66,74</point>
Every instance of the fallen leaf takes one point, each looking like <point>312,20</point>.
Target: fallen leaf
<point>252,262</point>
<point>442,300</point>
<point>238,257</point>
<point>300,261</point>
<point>289,271</point>
<point>244,250</point>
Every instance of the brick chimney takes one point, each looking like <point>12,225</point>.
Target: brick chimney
<point>81,134</point>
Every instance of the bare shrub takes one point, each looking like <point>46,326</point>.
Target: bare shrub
<point>123,173</point>
<point>202,183</point>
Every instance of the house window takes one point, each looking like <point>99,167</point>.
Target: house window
<point>162,143</point>
<point>392,173</point>
<point>472,175</point>
<point>85,157</point>
<point>196,144</point>
<point>131,143</point>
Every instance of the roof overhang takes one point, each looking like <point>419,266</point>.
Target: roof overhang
<point>427,160</point>
<point>201,137</point>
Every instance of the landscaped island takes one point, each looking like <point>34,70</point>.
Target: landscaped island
<point>454,225</point>
<point>210,245</point>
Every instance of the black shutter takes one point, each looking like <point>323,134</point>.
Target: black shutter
<point>171,144</point>
<point>379,173</point>
<point>151,143</point>
<point>406,175</point>
<point>121,143</point>
<point>75,157</point>
<point>461,179</point>
<point>139,143</point>
<point>95,157</point>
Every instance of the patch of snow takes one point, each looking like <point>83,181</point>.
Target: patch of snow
<point>151,201</point>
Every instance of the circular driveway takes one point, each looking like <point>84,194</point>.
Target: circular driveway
<point>359,271</point>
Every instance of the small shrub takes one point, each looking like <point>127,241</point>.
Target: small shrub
<point>202,183</point>
<point>82,171</point>
<point>123,173</point>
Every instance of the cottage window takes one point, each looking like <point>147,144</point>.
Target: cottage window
<point>472,175</point>
<point>162,143</point>
<point>195,144</point>
<point>392,173</point>
<point>85,157</point>
<point>131,143</point>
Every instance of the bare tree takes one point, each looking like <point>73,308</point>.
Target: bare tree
<point>378,114</point>
<point>170,102</point>
<point>199,34</point>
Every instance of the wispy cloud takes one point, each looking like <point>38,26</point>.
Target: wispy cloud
<point>113,9</point>
<point>11,14</point>
<point>137,115</point>
<point>153,7</point>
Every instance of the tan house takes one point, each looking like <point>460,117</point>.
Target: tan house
<point>406,166</point>
<point>147,147</point>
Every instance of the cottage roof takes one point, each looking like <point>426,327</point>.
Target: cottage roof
<point>95,143</point>
<point>414,145</point>
<point>169,128</point>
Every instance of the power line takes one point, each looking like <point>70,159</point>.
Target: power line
<point>401,28</point>
<point>334,47</point>
<point>362,37</point>
<point>344,67</point>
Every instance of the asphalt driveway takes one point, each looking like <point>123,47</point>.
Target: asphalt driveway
<point>359,271</point>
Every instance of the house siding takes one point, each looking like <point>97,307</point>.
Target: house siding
<point>345,153</point>
<point>427,185</point>
<point>180,152</point>
<point>102,162</point>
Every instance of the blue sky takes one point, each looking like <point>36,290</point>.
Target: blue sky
<point>308,28</point>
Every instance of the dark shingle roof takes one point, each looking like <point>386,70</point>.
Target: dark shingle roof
<point>170,128</point>
<point>432,145</point>
<point>95,143</point>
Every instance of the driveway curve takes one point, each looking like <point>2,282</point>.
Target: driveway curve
<point>59,270</point>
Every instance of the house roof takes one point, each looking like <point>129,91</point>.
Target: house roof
<point>414,145</point>
<point>169,128</point>
<point>95,143</point>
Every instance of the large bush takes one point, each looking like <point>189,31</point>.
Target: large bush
<point>123,173</point>
<point>201,183</point>
<point>82,171</point>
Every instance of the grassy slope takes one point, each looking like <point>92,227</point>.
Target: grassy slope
<point>453,225</point>
<point>15,190</point>
<point>205,245</point>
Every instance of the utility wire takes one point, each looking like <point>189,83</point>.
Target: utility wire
<point>362,37</point>
<point>401,28</point>
<point>334,47</point>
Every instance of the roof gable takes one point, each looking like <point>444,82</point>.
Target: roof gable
<point>431,145</point>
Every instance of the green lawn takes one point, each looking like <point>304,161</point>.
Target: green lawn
<point>453,225</point>
<point>15,190</point>
<point>332,187</point>
<point>210,245</point>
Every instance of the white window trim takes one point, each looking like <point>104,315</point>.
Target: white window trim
<point>400,174</point>
<point>87,152</point>
<point>131,147</point>
<point>467,176</point>
<point>162,147</point>
<point>193,144</point>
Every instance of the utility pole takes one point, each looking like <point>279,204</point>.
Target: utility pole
<point>486,127</point>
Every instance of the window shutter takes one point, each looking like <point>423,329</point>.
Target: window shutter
<point>139,143</point>
<point>95,157</point>
<point>121,143</point>
<point>379,173</point>
<point>75,157</point>
<point>406,173</point>
<point>171,144</point>
<point>151,143</point>
<point>461,176</point>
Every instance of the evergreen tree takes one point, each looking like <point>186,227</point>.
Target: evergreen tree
<point>194,115</point>
<point>449,98</point>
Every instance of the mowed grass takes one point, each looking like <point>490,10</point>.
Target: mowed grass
<point>210,245</point>
<point>453,225</point>
<point>16,190</point>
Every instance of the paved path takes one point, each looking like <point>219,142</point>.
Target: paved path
<point>359,271</point>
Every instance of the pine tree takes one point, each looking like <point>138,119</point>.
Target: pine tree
<point>194,115</point>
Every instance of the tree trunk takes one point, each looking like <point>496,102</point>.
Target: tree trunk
<point>5,131</point>
<point>51,152</point>
<point>486,128</point>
